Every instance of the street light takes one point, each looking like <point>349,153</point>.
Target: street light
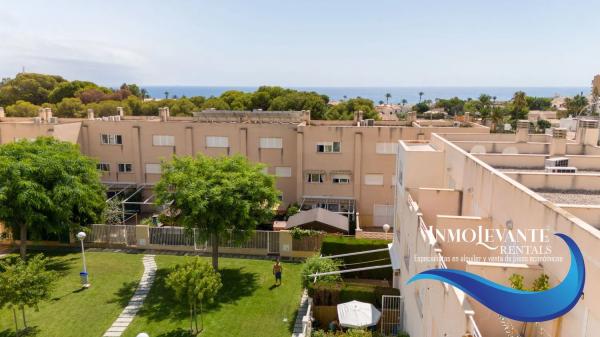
<point>84,275</point>
<point>386,229</point>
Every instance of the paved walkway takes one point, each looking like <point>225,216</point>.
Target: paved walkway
<point>134,305</point>
<point>302,311</point>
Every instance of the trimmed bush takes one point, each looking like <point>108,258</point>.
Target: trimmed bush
<point>327,293</point>
<point>334,245</point>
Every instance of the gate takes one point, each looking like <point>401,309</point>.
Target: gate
<point>273,243</point>
<point>392,315</point>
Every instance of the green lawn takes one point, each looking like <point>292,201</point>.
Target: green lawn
<point>73,312</point>
<point>247,305</point>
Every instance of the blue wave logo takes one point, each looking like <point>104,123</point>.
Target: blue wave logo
<point>517,304</point>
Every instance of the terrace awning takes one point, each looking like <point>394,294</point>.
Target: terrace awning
<point>319,217</point>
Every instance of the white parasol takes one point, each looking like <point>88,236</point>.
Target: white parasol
<point>355,314</point>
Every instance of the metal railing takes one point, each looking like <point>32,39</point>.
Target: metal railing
<point>473,327</point>
<point>111,234</point>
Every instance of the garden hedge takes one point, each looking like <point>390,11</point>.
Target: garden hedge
<point>335,245</point>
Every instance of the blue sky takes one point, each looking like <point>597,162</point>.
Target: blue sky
<point>306,43</point>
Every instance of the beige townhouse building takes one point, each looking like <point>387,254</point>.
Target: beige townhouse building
<point>344,166</point>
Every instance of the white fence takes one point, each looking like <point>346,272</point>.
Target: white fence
<point>180,238</point>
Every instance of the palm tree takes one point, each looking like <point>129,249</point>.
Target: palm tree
<point>380,102</point>
<point>387,98</point>
<point>166,95</point>
<point>421,95</point>
<point>144,93</point>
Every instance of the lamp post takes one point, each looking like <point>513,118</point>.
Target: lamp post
<point>386,229</point>
<point>84,275</point>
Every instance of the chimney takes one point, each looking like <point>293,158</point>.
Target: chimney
<point>48,113</point>
<point>522,131</point>
<point>306,116</point>
<point>358,116</point>
<point>412,116</point>
<point>2,114</point>
<point>558,143</point>
<point>42,114</point>
<point>587,132</point>
<point>120,111</point>
<point>164,114</point>
<point>90,113</point>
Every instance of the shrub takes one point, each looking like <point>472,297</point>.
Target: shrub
<point>328,293</point>
<point>315,264</point>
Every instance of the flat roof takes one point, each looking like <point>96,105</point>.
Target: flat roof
<point>571,197</point>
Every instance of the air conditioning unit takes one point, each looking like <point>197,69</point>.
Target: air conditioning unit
<point>561,169</point>
<point>37,120</point>
<point>557,162</point>
<point>367,122</point>
<point>53,120</point>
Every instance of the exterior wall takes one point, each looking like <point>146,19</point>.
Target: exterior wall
<point>557,181</point>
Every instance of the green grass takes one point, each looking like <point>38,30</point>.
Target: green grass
<point>72,312</point>
<point>247,305</point>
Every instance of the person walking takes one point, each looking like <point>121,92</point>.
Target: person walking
<point>277,269</point>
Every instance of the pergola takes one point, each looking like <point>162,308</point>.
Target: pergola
<point>340,205</point>
<point>129,194</point>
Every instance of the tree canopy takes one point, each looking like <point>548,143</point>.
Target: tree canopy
<point>27,92</point>
<point>217,196</point>
<point>47,186</point>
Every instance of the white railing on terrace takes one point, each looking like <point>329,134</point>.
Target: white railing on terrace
<point>473,327</point>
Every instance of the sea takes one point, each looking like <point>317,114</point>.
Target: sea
<point>411,94</point>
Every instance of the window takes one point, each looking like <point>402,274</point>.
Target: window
<point>383,214</point>
<point>103,167</point>
<point>158,140</point>
<point>111,139</point>
<point>283,172</point>
<point>316,178</point>
<point>215,141</point>
<point>340,179</point>
<point>373,179</point>
<point>271,143</point>
<point>125,168</point>
<point>329,147</point>
<point>153,168</point>
<point>386,148</point>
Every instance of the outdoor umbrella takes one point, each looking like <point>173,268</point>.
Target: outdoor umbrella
<point>355,314</point>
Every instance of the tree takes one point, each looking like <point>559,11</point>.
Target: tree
<point>518,107</point>
<point>113,212</point>
<point>538,103</point>
<point>25,284</point>
<point>387,98</point>
<point>215,103</point>
<point>47,186</point>
<point>453,106</point>
<point>143,93</point>
<point>166,95</point>
<point>217,196</point>
<point>194,283</point>
<point>183,107</point>
<point>421,107</point>
<point>69,90</point>
<point>22,109</point>
<point>70,107</point>
<point>421,95</point>
<point>30,87</point>
<point>576,105</point>
<point>543,124</point>
<point>497,117</point>
<point>404,101</point>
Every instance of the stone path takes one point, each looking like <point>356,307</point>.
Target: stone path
<point>128,314</point>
